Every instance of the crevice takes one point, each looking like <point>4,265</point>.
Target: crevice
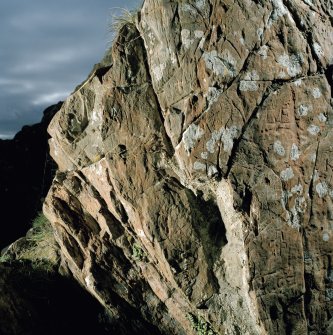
<point>168,143</point>
<point>101,72</point>
<point>312,180</point>
<point>329,77</point>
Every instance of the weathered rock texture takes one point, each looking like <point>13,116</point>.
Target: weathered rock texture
<point>26,173</point>
<point>196,169</point>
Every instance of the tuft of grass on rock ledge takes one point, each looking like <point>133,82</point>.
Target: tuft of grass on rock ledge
<point>38,247</point>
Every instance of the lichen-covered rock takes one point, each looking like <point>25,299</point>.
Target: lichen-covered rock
<point>195,176</point>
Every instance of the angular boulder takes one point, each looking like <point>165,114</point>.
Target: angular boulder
<point>195,170</point>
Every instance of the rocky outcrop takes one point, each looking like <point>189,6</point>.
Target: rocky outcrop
<point>195,171</point>
<point>26,173</point>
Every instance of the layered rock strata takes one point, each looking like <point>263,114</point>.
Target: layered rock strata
<point>195,170</point>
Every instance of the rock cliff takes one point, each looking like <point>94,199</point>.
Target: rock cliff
<point>195,186</point>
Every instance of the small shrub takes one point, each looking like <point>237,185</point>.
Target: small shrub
<point>5,258</point>
<point>42,229</point>
<point>38,248</point>
<point>137,253</point>
<point>200,325</point>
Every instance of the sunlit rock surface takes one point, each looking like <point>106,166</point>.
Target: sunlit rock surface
<point>195,170</point>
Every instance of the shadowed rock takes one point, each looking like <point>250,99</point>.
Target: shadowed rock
<point>26,172</point>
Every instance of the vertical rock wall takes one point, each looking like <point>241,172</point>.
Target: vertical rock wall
<point>195,176</point>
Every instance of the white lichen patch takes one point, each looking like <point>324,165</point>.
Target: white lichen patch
<point>295,219</point>
<point>99,169</point>
<point>158,71</point>
<point>141,233</point>
<point>303,110</point>
<point>294,152</point>
<point>248,86</point>
<point>202,42</point>
<point>278,148</point>
<point>326,237</point>
<point>315,175</point>
<point>212,96</point>
<point>297,211</point>
<point>212,171</point>
<point>173,58</point>
<point>96,116</point>
<point>185,37</point>
<point>316,93</point>
<point>282,75</point>
<point>199,166</point>
<point>220,65</point>
<point>249,82</point>
<point>200,4</point>
<point>313,129</point>
<point>297,189</point>
<point>213,62</point>
<point>226,135</point>
<point>287,174</point>
<point>279,10</point>
<point>318,49</point>
<point>313,157</point>
<point>198,33</point>
<point>293,63</point>
<point>322,118</point>
<point>190,137</point>
<point>89,280</point>
<point>251,75</point>
<point>96,168</point>
<point>188,8</point>
<point>210,145</point>
<point>298,82</point>
<point>322,189</point>
<point>204,155</point>
<point>263,51</point>
<point>260,32</point>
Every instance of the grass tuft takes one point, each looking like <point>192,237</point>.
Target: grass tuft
<point>120,18</point>
<point>38,247</point>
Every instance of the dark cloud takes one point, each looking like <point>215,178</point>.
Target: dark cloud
<point>46,49</point>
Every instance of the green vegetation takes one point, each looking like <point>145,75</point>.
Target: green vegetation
<point>119,20</point>
<point>42,229</point>
<point>4,258</point>
<point>137,253</point>
<point>38,247</point>
<point>200,325</point>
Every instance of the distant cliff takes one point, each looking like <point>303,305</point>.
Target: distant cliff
<point>26,173</point>
<point>195,188</point>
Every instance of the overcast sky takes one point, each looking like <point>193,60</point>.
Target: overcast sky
<point>47,47</point>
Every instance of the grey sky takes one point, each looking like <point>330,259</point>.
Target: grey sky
<point>47,47</point>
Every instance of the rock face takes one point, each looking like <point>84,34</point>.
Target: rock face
<point>195,181</point>
<point>26,173</point>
